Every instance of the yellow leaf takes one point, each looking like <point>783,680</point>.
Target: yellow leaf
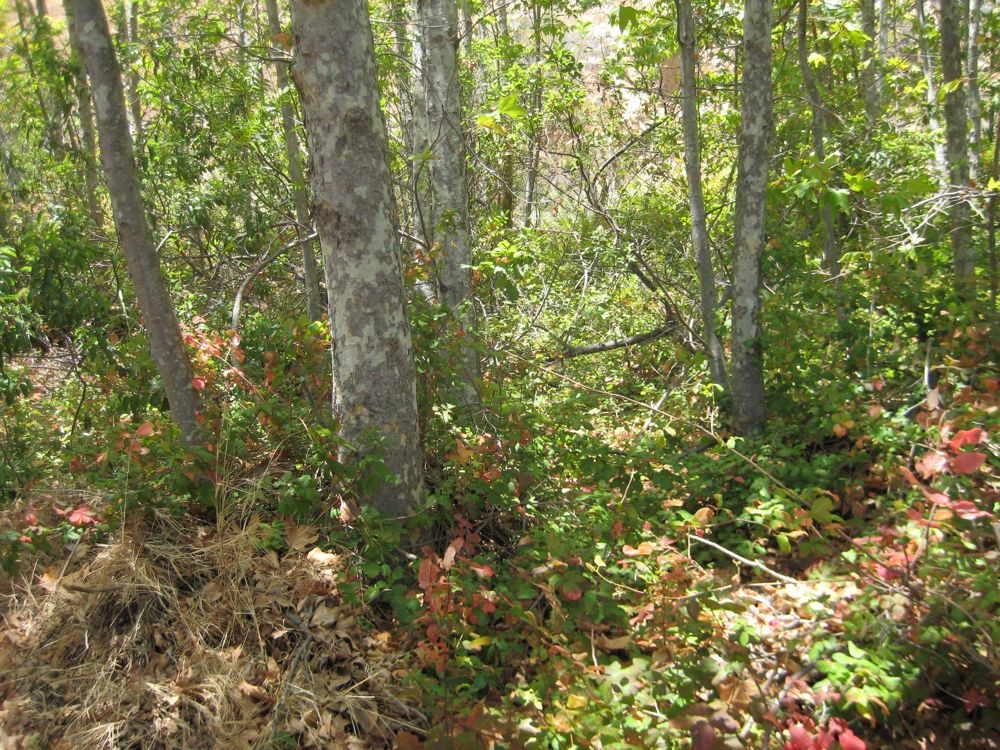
<point>478,643</point>
<point>576,701</point>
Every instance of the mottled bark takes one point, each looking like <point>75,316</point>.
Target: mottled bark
<point>314,298</point>
<point>831,253</point>
<point>373,370</point>
<point>449,180</point>
<point>696,198</point>
<point>130,29</point>
<point>748,239</point>
<point>975,109</point>
<point>85,108</point>
<point>423,209</point>
<point>164,334</point>
<point>927,66</point>
<point>883,47</point>
<point>534,147</point>
<point>869,77</point>
<point>957,148</point>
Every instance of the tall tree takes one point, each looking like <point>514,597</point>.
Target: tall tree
<point>692,164</point>
<point>871,93</point>
<point>165,343</point>
<point>831,254</point>
<point>374,375</point>
<point>957,148</point>
<point>85,110</point>
<point>748,239</point>
<point>927,66</point>
<point>449,179</point>
<point>975,109</point>
<point>314,298</point>
<point>130,32</point>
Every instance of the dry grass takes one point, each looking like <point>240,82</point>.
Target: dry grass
<point>177,635</point>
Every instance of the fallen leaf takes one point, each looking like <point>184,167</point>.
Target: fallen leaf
<point>299,537</point>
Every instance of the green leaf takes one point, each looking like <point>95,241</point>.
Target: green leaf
<point>490,123</point>
<point>822,509</point>
<point>627,16</point>
<point>507,105</point>
<point>816,59</point>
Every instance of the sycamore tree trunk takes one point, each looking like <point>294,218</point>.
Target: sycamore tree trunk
<point>164,334</point>
<point>91,179</point>
<point>927,65</point>
<point>449,179</point>
<point>748,239</point>
<point>869,66</point>
<point>423,214</point>
<point>375,393</point>
<point>130,30</point>
<point>692,163</point>
<point>314,298</point>
<point>831,254</point>
<point>975,108</point>
<point>957,149</point>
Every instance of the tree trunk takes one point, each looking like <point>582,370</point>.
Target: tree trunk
<point>991,214</point>
<point>85,107</point>
<point>314,298</point>
<point>534,115</point>
<point>869,65</point>
<point>373,370</point>
<point>957,149</point>
<point>692,164</point>
<point>130,31</point>
<point>927,65</point>
<point>164,334</point>
<point>748,240</point>
<point>831,254</point>
<point>883,47</point>
<point>449,180</point>
<point>423,205</point>
<point>975,112</point>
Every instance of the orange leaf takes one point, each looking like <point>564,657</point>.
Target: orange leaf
<point>145,430</point>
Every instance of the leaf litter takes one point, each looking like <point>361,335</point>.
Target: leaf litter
<point>178,635</point>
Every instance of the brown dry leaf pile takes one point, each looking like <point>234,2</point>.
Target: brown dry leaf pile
<point>202,641</point>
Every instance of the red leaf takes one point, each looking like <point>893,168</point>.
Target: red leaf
<point>482,570</point>
<point>932,464</point>
<point>966,437</point>
<point>427,575</point>
<point>966,463</point>
<point>198,383</point>
<point>799,738</point>
<point>967,510</point>
<point>145,430</point>
<point>910,477</point>
<point>850,741</point>
<point>82,516</point>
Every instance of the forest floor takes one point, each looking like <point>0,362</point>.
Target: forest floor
<point>169,629</point>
